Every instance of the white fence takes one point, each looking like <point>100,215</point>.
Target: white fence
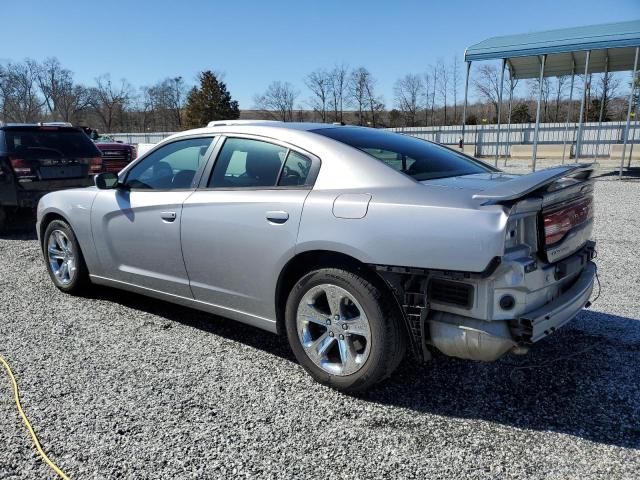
<point>484,136</point>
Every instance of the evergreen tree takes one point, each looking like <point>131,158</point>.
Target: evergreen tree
<point>211,101</point>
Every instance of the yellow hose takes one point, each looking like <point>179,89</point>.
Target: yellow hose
<point>36,442</point>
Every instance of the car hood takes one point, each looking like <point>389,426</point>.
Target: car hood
<point>113,145</point>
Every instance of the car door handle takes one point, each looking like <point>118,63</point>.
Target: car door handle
<point>277,216</point>
<point>168,216</point>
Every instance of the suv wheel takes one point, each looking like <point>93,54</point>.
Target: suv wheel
<point>343,330</point>
<point>64,259</point>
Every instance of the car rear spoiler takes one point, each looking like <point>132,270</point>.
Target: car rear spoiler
<point>519,187</point>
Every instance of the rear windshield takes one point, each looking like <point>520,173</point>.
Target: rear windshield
<point>412,156</point>
<point>50,143</point>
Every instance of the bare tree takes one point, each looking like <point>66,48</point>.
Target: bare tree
<point>427,81</point>
<point>409,91</point>
<point>21,98</point>
<point>357,92</point>
<point>608,85</point>
<point>278,100</point>
<point>455,86</point>
<point>433,95</point>
<point>339,79</point>
<point>534,91</point>
<point>109,101</point>
<point>64,99</point>
<point>560,84</point>
<point>361,88</point>
<point>320,83</point>
<point>487,85</point>
<point>443,85</point>
<point>164,103</point>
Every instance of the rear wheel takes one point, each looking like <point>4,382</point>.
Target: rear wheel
<point>64,259</point>
<point>343,330</point>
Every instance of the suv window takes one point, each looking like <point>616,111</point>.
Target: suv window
<point>172,166</point>
<point>412,156</point>
<point>243,162</point>
<point>50,142</point>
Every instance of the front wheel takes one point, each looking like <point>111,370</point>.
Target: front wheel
<point>64,259</point>
<point>343,329</point>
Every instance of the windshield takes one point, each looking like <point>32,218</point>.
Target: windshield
<point>412,156</point>
<point>50,142</point>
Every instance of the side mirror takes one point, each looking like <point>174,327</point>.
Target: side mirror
<point>106,181</point>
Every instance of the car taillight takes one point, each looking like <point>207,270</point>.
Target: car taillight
<point>559,222</point>
<point>21,168</point>
<point>95,165</point>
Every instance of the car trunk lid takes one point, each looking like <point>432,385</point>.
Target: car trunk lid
<point>565,208</point>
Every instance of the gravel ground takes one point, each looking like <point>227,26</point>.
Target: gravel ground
<point>119,386</point>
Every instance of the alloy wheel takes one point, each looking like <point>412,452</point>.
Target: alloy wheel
<point>333,329</point>
<point>62,258</point>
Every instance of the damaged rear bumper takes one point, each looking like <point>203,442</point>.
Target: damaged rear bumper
<point>475,339</point>
<point>543,321</point>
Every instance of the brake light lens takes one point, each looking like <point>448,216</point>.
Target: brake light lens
<point>21,168</point>
<point>95,165</point>
<point>561,221</point>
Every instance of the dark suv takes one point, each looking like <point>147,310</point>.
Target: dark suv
<point>41,158</point>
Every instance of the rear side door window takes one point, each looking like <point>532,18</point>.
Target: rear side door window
<point>244,162</point>
<point>249,163</point>
<point>295,172</point>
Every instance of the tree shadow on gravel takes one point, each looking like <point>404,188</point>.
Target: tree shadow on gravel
<point>207,322</point>
<point>578,381</point>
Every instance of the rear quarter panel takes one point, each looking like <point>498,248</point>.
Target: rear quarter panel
<point>419,226</point>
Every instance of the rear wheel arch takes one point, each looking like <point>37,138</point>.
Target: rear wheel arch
<point>308,261</point>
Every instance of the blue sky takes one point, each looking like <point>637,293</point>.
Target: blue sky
<point>256,42</point>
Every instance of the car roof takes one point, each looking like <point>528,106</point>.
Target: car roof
<point>37,126</point>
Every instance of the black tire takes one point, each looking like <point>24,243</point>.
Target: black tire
<point>387,337</point>
<point>3,218</point>
<point>80,282</point>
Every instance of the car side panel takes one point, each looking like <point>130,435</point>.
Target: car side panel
<point>232,252</point>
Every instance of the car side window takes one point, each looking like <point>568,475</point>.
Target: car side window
<point>172,166</point>
<point>295,171</point>
<point>244,162</point>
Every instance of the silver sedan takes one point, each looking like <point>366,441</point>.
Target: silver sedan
<point>356,243</point>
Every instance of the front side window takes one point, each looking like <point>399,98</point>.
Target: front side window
<point>243,162</point>
<point>172,166</point>
<point>412,156</point>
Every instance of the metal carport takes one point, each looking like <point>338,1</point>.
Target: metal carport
<point>591,49</point>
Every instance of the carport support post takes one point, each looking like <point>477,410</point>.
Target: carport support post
<point>508,150</point>
<point>633,135</point>
<point>464,108</point>
<point>537,129</point>
<point>626,131</point>
<point>604,92</point>
<point>584,96</point>
<point>569,111</point>
<point>504,64</point>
